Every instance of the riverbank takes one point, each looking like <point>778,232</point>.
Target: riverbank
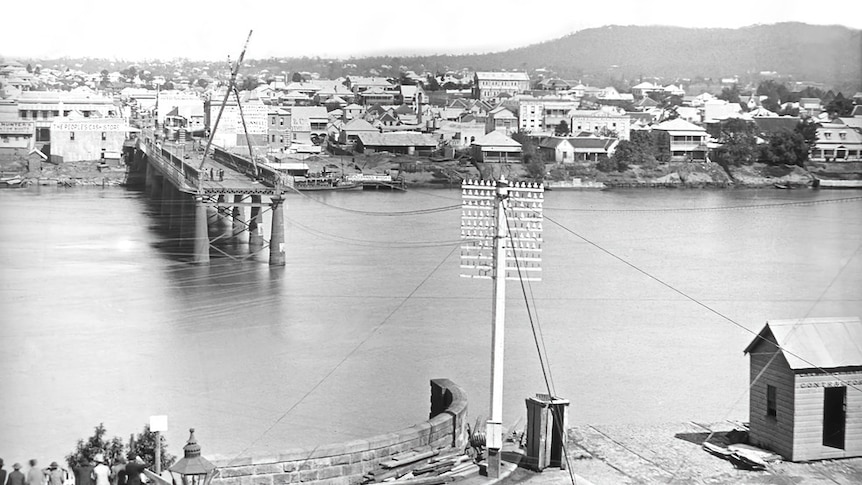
<point>419,172</point>
<point>426,172</point>
<point>672,453</point>
<point>70,174</point>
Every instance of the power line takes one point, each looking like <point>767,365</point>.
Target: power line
<point>346,357</point>
<point>698,302</point>
<point>714,208</point>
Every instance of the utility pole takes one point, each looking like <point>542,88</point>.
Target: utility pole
<point>501,224</point>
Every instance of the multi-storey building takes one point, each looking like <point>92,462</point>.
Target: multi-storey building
<point>837,142</point>
<point>78,139</point>
<point>42,107</point>
<point>687,140</point>
<point>596,120</point>
<point>501,119</point>
<point>537,115</point>
<point>278,128</point>
<point>488,85</point>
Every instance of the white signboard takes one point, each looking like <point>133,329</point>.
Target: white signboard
<point>16,127</point>
<point>159,423</point>
<point>104,125</point>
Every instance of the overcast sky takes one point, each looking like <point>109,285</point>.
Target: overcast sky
<point>213,30</point>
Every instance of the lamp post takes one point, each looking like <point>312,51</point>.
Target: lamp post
<point>192,468</point>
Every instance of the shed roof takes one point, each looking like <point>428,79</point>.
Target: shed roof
<point>678,125</point>
<point>808,343</point>
<point>497,139</point>
<point>397,139</point>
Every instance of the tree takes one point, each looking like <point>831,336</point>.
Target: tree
<point>661,144</point>
<point>297,77</point>
<point>535,165</point>
<point>432,84</point>
<point>608,165</point>
<point>776,93</point>
<point>785,148</point>
<point>145,446</point>
<point>738,143</point>
<point>248,84</point>
<point>29,68</point>
<point>731,94</point>
<point>203,83</point>
<point>562,129</point>
<point>85,451</point>
<point>840,106</point>
<point>634,152</point>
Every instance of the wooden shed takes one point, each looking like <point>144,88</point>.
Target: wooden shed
<point>806,398</point>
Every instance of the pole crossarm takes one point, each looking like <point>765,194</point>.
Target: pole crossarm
<point>523,241</point>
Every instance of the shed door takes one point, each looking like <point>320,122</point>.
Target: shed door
<point>834,416</point>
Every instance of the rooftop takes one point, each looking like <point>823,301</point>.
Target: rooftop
<point>809,343</point>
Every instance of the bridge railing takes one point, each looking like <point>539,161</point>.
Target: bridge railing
<point>266,174</point>
<point>183,174</point>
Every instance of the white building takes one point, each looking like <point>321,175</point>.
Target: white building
<point>488,85</point>
<point>593,122</point>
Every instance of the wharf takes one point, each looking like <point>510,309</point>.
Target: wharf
<point>672,453</point>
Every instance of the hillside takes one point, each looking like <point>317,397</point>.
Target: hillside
<point>828,54</point>
<point>618,55</point>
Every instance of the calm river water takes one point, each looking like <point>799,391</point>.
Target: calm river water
<point>103,321</point>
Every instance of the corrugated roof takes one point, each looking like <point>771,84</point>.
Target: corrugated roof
<point>809,343</point>
<point>497,139</point>
<point>397,139</point>
<point>678,124</point>
<point>506,76</point>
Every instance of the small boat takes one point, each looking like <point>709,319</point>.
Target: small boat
<point>574,184</point>
<point>11,182</point>
<point>323,183</point>
<point>781,186</point>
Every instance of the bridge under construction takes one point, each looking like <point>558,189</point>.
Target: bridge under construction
<point>200,194</point>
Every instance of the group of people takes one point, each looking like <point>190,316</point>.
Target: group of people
<point>97,472</point>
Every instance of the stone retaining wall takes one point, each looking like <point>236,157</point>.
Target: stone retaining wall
<point>345,463</point>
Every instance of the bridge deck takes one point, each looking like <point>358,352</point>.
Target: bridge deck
<point>221,173</point>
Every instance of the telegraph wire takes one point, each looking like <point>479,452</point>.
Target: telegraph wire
<point>545,371</point>
<point>714,208</point>
<point>696,301</point>
<point>372,243</point>
<point>346,357</point>
<point>775,355</point>
<point>431,210</point>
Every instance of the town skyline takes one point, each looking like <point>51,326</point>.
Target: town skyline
<point>342,31</point>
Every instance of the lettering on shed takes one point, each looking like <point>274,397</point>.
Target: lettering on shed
<point>806,398</point>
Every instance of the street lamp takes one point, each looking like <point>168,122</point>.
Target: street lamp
<point>192,469</point>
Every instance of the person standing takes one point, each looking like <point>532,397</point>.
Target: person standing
<point>83,474</point>
<point>55,473</point>
<point>118,472</point>
<point>101,472</point>
<point>16,477</point>
<point>34,475</point>
<point>2,473</point>
<point>134,469</point>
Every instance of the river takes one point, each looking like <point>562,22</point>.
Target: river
<point>647,301</point>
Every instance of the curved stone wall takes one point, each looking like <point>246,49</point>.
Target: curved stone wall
<point>345,463</point>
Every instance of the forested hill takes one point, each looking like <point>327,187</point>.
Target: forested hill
<point>829,54</point>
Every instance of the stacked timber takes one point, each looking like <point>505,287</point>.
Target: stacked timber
<point>424,466</point>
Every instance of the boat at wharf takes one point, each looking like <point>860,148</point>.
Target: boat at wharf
<point>574,184</point>
<point>323,183</point>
